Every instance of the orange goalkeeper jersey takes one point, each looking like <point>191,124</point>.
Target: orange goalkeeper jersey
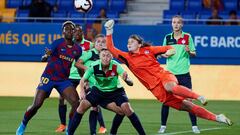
<point>144,64</point>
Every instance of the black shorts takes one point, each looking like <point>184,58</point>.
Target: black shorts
<point>97,97</point>
<point>75,82</point>
<point>185,80</point>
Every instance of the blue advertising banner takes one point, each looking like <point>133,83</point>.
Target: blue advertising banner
<point>214,44</point>
<point>25,41</point>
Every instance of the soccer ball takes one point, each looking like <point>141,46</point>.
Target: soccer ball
<point>83,5</point>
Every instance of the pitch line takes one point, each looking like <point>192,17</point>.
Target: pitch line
<point>189,131</point>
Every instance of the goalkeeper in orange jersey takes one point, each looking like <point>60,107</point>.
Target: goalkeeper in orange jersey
<point>141,60</point>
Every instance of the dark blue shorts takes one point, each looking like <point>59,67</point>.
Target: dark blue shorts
<point>185,80</point>
<point>75,82</point>
<point>47,85</point>
<point>97,97</point>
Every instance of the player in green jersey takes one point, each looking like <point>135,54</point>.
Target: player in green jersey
<point>179,64</point>
<point>107,91</point>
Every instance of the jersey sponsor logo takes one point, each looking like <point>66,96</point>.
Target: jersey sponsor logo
<point>66,58</point>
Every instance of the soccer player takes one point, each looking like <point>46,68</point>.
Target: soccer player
<point>61,55</point>
<point>106,92</point>
<point>141,60</point>
<point>84,63</point>
<point>179,65</point>
<point>74,77</point>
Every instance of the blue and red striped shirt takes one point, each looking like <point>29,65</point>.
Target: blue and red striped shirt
<point>60,61</point>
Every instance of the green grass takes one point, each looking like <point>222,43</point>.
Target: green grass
<point>46,120</point>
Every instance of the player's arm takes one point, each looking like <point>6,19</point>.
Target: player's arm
<point>47,54</point>
<point>83,80</point>
<point>191,47</point>
<point>109,41</point>
<point>124,74</point>
<point>165,51</point>
<point>86,55</point>
<point>48,51</point>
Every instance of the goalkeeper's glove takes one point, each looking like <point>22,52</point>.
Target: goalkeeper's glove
<point>109,27</point>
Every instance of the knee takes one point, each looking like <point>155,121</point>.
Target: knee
<point>127,109</point>
<point>169,86</point>
<point>186,105</point>
<point>83,107</point>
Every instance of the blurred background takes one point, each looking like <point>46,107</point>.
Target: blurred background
<point>28,26</point>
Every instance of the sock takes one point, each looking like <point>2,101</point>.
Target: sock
<point>100,118</point>
<point>117,120</point>
<point>62,110</point>
<point>184,92</point>
<point>203,113</point>
<point>72,126</point>
<point>193,119</point>
<point>136,124</point>
<point>164,114</point>
<point>28,115</point>
<point>93,121</point>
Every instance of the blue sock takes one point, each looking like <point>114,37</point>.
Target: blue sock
<point>72,126</point>
<point>117,120</point>
<point>28,115</point>
<point>93,121</point>
<point>193,119</point>
<point>100,118</point>
<point>62,110</point>
<point>137,124</point>
<point>164,114</point>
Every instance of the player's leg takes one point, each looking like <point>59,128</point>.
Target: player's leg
<point>164,117</point>
<point>77,117</point>
<point>92,99</point>
<point>102,128</point>
<point>121,100</point>
<point>62,111</point>
<point>170,85</point>
<point>128,111</point>
<point>185,80</point>
<point>93,120</point>
<point>71,95</point>
<point>199,111</point>
<point>118,118</point>
<point>39,98</point>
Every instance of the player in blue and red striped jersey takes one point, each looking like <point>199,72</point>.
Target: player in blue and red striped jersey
<point>61,55</point>
<point>74,77</point>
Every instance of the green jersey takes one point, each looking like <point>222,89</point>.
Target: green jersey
<point>88,58</point>
<point>86,45</point>
<point>105,82</point>
<point>179,63</point>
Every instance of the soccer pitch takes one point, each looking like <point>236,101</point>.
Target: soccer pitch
<point>46,120</point>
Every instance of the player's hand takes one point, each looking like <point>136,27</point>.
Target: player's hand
<point>109,27</point>
<point>47,51</point>
<point>127,79</point>
<point>187,48</point>
<point>170,52</point>
<point>44,58</point>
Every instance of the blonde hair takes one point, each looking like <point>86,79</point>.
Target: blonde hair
<point>179,17</point>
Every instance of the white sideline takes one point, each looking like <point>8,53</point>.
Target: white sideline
<point>189,131</point>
